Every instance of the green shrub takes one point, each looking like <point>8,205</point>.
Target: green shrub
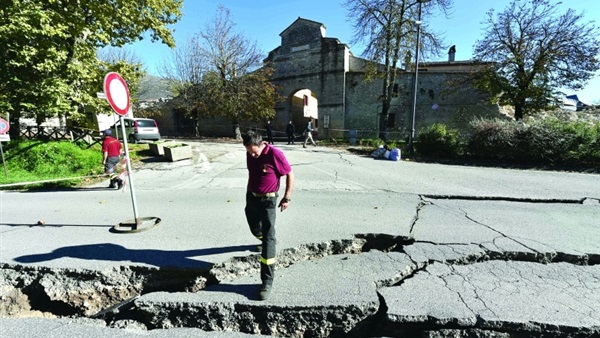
<point>584,140</point>
<point>438,141</point>
<point>376,143</point>
<point>371,142</point>
<point>492,139</point>
<point>549,140</point>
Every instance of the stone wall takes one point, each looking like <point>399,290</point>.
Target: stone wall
<point>363,106</point>
<point>442,97</point>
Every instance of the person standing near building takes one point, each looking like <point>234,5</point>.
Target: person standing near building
<point>266,165</point>
<point>269,129</point>
<point>111,155</point>
<point>308,131</point>
<point>289,130</point>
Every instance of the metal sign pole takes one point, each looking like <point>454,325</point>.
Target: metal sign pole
<point>129,172</point>
<point>3,162</point>
<point>117,94</point>
<point>4,128</point>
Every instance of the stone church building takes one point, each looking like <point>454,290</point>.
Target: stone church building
<point>321,80</point>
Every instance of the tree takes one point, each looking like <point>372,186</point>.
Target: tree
<point>388,28</point>
<point>234,83</point>
<point>184,71</point>
<point>29,62</point>
<point>535,51</point>
<point>48,62</point>
<point>129,65</point>
<point>249,97</point>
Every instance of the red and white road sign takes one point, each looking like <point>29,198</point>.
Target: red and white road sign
<point>117,93</point>
<point>4,126</point>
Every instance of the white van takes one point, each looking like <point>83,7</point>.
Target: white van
<point>136,129</point>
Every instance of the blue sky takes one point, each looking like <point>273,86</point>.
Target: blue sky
<point>263,20</point>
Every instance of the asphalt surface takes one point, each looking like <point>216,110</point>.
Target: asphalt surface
<point>450,245</point>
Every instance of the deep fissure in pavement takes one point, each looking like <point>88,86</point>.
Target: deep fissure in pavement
<point>111,295</point>
<point>585,200</point>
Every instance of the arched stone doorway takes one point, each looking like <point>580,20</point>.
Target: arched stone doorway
<point>304,107</point>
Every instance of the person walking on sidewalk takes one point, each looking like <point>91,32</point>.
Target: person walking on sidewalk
<point>269,128</point>
<point>289,130</point>
<point>266,165</point>
<point>111,155</point>
<point>308,131</point>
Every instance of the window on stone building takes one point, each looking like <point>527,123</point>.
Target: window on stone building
<point>431,94</point>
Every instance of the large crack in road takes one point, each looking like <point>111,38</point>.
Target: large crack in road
<point>373,284</point>
<point>134,297</point>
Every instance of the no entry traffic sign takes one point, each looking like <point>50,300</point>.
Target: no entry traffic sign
<point>4,126</point>
<point>117,93</point>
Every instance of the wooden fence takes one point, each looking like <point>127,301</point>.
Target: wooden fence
<point>88,136</point>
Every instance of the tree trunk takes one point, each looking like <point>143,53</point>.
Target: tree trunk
<point>15,128</point>
<point>385,109</point>
<point>383,122</point>
<point>518,112</point>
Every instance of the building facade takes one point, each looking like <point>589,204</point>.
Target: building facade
<point>340,97</point>
<point>323,82</point>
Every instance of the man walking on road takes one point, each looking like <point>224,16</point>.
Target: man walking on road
<point>111,152</point>
<point>266,165</point>
<point>269,129</point>
<point>289,130</point>
<point>308,131</point>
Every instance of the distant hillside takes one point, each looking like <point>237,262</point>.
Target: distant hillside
<point>154,87</point>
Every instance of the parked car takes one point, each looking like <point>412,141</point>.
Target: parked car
<point>137,129</point>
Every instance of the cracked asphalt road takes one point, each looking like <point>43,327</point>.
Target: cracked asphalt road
<point>368,248</point>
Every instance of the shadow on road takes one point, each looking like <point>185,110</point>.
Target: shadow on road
<point>117,253</point>
<point>249,291</point>
<point>67,189</point>
<point>59,225</point>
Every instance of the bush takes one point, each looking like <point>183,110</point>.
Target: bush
<point>375,143</point>
<point>438,141</point>
<point>544,142</point>
<point>371,142</point>
<point>492,139</point>
<point>550,140</point>
<point>583,136</point>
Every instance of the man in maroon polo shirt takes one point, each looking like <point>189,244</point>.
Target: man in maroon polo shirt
<point>111,152</point>
<point>266,165</point>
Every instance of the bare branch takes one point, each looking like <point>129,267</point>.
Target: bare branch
<point>536,50</point>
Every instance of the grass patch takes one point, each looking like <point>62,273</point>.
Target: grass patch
<point>57,163</point>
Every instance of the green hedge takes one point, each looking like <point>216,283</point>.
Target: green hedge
<point>438,141</point>
<point>550,140</point>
